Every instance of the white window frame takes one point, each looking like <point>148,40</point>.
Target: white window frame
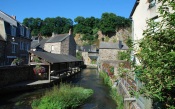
<point>13,30</point>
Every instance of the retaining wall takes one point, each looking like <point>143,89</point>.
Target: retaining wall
<point>13,74</point>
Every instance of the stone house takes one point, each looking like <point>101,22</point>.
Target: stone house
<point>61,44</point>
<point>109,51</point>
<point>17,39</point>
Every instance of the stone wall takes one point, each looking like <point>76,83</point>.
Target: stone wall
<point>13,74</point>
<point>72,46</point>
<point>53,47</point>
<point>86,58</point>
<point>65,46</point>
<point>108,54</point>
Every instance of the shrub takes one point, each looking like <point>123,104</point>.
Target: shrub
<point>64,97</point>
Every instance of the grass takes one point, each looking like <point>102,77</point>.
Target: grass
<point>113,92</point>
<point>117,98</point>
<point>65,97</point>
<point>106,78</point>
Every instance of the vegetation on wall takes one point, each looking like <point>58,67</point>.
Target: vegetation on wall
<point>79,55</point>
<point>157,55</point>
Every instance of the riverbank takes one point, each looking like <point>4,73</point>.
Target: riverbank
<point>87,78</point>
<point>113,90</point>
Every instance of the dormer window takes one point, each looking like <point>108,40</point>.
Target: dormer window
<point>21,30</point>
<point>13,30</point>
<point>152,3</point>
<point>27,33</point>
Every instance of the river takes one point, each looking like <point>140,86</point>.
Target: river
<point>88,78</point>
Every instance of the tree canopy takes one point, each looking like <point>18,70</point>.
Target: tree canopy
<point>89,26</point>
<point>48,25</point>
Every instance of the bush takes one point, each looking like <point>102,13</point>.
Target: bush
<point>64,97</point>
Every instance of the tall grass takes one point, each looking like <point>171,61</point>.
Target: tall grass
<point>113,92</point>
<point>117,98</point>
<point>65,97</point>
<point>106,78</point>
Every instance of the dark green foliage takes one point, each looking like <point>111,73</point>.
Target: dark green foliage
<point>157,55</point>
<point>109,22</point>
<point>48,25</point>
<point>79,55</point>
<point>65,97</point>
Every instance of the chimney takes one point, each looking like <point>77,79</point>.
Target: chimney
<point>14,17</point>
<point>120,44</point>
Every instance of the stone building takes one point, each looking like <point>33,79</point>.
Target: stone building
<point>109,51</point>
<point>61,44</point>
<point>17,39</point>
<point>57,44</point>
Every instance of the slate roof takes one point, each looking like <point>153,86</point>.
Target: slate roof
<point>57,38</point>
<point>55,58</point>
<point>8,18</point>
<point>35,44</point>
<point>87,48</point>
<point>108,45</point>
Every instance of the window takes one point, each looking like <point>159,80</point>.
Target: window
<point>152,3</point>
<point>28,33</point>
<point>27,47</point>
<point>21,45</point>
<point>13,48</point>
<point>52,48</point>
<point>13,31</point>
<point>21,30</point>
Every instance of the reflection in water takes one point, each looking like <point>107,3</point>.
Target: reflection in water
<point>89,78</point>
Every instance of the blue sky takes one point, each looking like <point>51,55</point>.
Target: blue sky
<point>65,8</point>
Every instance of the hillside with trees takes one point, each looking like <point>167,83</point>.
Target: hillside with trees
<point>86,30</point>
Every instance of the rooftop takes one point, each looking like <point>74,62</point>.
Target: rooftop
<point>55,58</point>
<point>108,45</point>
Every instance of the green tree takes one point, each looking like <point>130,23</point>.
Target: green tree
<point>157,55</point>
<point>110,22</point>
<point>79,20</point>
<point>34,24</point>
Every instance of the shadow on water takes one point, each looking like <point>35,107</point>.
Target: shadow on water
<point>88,78</point>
